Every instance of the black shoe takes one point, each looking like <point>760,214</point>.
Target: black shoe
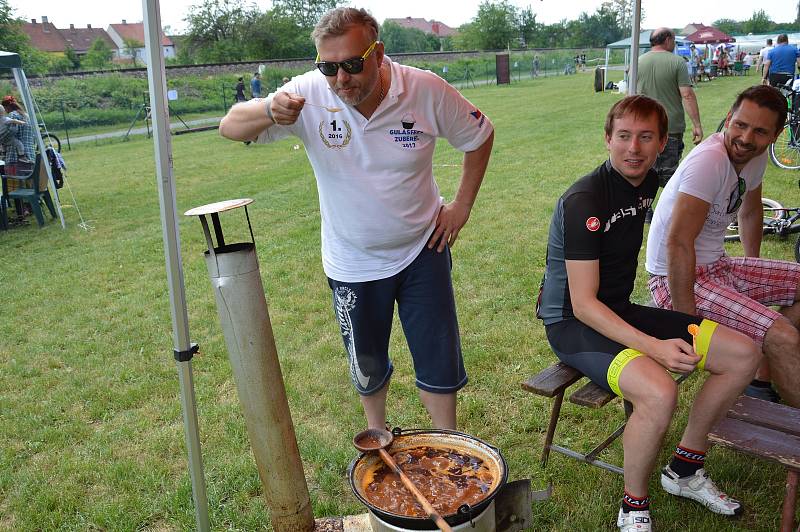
<point>765,393</point>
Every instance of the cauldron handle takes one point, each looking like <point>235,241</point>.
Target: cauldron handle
<point>466,509</point>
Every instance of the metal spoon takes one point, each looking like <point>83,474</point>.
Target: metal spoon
<point>378,440</point>
<point>329,109</point>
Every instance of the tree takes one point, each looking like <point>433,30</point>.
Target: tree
<point>759,22</point>
<point>73,58</point>
<point>729,26</point>
<point>494,27</point>
<point>131,48</point>
<point>99,54</point>
<point>275,35</point>
<point>306,13</point>
<point>398,39</point>
<point>623,12</point>
<point>527,25</point>
<point>217,30</point>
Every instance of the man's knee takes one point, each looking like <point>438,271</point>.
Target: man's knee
<point>781,336</point>
<point>658,400</point>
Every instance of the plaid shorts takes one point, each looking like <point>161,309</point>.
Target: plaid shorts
<point>737,292</point>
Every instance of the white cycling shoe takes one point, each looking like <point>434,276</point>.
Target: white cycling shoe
<point>701,488</point>
<point>634,521</point>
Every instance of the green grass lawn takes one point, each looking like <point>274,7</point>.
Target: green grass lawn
<point>91,433</point>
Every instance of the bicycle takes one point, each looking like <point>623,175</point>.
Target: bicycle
<point>778,220</point>
<point>50,139</point>
<point>785,151</point>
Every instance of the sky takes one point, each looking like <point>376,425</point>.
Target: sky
<point>672,13</point>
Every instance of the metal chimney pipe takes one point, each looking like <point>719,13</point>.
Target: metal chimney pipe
<point>243,314</point>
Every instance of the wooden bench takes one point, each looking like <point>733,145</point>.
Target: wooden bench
<point>769,431</point>
<point>553,382</point>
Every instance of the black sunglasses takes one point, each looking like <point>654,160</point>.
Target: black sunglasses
<point>353,65</point>
<point>736,196</point>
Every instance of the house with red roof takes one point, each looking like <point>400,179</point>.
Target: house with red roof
<point>81,39</point>
<point>45,36</point>
<point>119,33</point>
<point>432,27</point>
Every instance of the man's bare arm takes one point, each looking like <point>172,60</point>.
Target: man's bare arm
<point>246,120</point>
<point>751,222</point>
<point>454,215</point>
<point>692,109</point>
<point>688,216</point>
<point>584,281</point>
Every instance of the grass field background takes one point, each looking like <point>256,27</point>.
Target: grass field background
<point>91,434</point>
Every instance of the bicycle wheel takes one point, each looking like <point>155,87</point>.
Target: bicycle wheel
<point>51,141</point>
<point>785,152</point>
<point>773,210</point>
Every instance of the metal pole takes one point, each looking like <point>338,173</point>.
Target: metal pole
<point>637,19</point>
<point>244,316</point>
<point>183,348</point>
<point>66,128</point>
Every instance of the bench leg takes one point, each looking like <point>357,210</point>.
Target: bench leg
<point>787,521</point>
<point>551,427</point>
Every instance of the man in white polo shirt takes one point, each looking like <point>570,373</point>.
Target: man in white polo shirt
<point>369,127</point>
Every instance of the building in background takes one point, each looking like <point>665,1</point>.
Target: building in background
<point>119,33</point>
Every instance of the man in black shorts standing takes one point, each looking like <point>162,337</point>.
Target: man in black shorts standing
<point>593,247</point>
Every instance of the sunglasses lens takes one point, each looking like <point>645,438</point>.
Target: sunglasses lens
<point>353,66</point>
<point>328,68</point>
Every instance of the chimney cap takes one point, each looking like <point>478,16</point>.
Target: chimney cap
<point>33,21</point>
<point>44,19</point>
<point>88,26</point>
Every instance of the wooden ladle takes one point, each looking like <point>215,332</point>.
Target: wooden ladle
<point>371,440</point>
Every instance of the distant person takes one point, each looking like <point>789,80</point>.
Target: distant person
<point>255,86</point>
<point>747,63</point>
<point>583,60</point>
<point>781,62</point>
<point>692,66</point>
<point>663,76</point>
<point>8,135</point>
<point>240,97</point>
<point>23,132</point>
<point>762,56</point>
<point>535,67</point>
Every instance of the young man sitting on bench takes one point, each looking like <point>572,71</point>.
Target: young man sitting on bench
<point>593,246</point>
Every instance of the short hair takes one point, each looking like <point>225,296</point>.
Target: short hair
<point>660,36</point>
<point>769,42</point>
<point>641,107</point>
<point>766,97</point>
<point>783,38</point>
<point>337,21</point>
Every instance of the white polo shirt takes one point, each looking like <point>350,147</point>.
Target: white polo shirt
<point>706,173</point>
<point>378,198</point>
